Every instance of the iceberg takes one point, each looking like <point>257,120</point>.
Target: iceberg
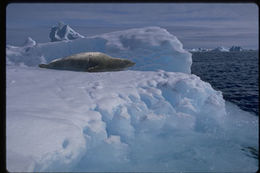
<point>63,32</point>
<point>199,50</point>
<point>220,49</point>
<point>151,48</point>
<point>29,42</point>
<point>155,117</point>
<point>236,49</point>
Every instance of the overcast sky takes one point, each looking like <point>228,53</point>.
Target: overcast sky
<point>195,24</point>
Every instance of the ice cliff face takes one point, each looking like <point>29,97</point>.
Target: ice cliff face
<point>151,48</point>
<point>63,32</point>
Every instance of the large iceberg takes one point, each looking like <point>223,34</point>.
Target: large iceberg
<point>155,117</point>
<point>151,48</point>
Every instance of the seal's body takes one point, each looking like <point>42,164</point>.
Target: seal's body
<point>90,62</point>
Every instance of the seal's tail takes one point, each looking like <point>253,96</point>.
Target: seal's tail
<point>43,65</point>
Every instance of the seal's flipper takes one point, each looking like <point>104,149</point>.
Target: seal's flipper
<point>94,69</point>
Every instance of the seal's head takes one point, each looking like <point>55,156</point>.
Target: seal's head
<point>43,65</point>
<point>127,63</point>
<point>118,64</point>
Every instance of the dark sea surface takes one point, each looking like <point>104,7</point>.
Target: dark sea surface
<point>233,73</point>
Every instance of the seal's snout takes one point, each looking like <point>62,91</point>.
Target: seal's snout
<point>132,63</point>
<point>129,63</point>
<point>43,65</point>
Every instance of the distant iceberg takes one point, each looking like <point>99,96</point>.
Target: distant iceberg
<point>236,49</point>
<point>199,50</point>
<point>220,49</point>
<point>29,42</point>
<point>63,32</point>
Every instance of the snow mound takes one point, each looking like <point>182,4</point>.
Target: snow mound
<point>151,48</point>
<point>63,32</point>
<point>123,121</point>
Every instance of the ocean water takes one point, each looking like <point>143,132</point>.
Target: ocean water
<point>233,73</point>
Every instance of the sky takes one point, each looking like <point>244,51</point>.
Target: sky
<point>206,25</point>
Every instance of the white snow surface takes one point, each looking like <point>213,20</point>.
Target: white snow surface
<point>135,120</point>
<point>123,121</point>
<point>151,48</point>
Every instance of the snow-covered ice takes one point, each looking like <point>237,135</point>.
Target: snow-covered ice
<point>154,117</point>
